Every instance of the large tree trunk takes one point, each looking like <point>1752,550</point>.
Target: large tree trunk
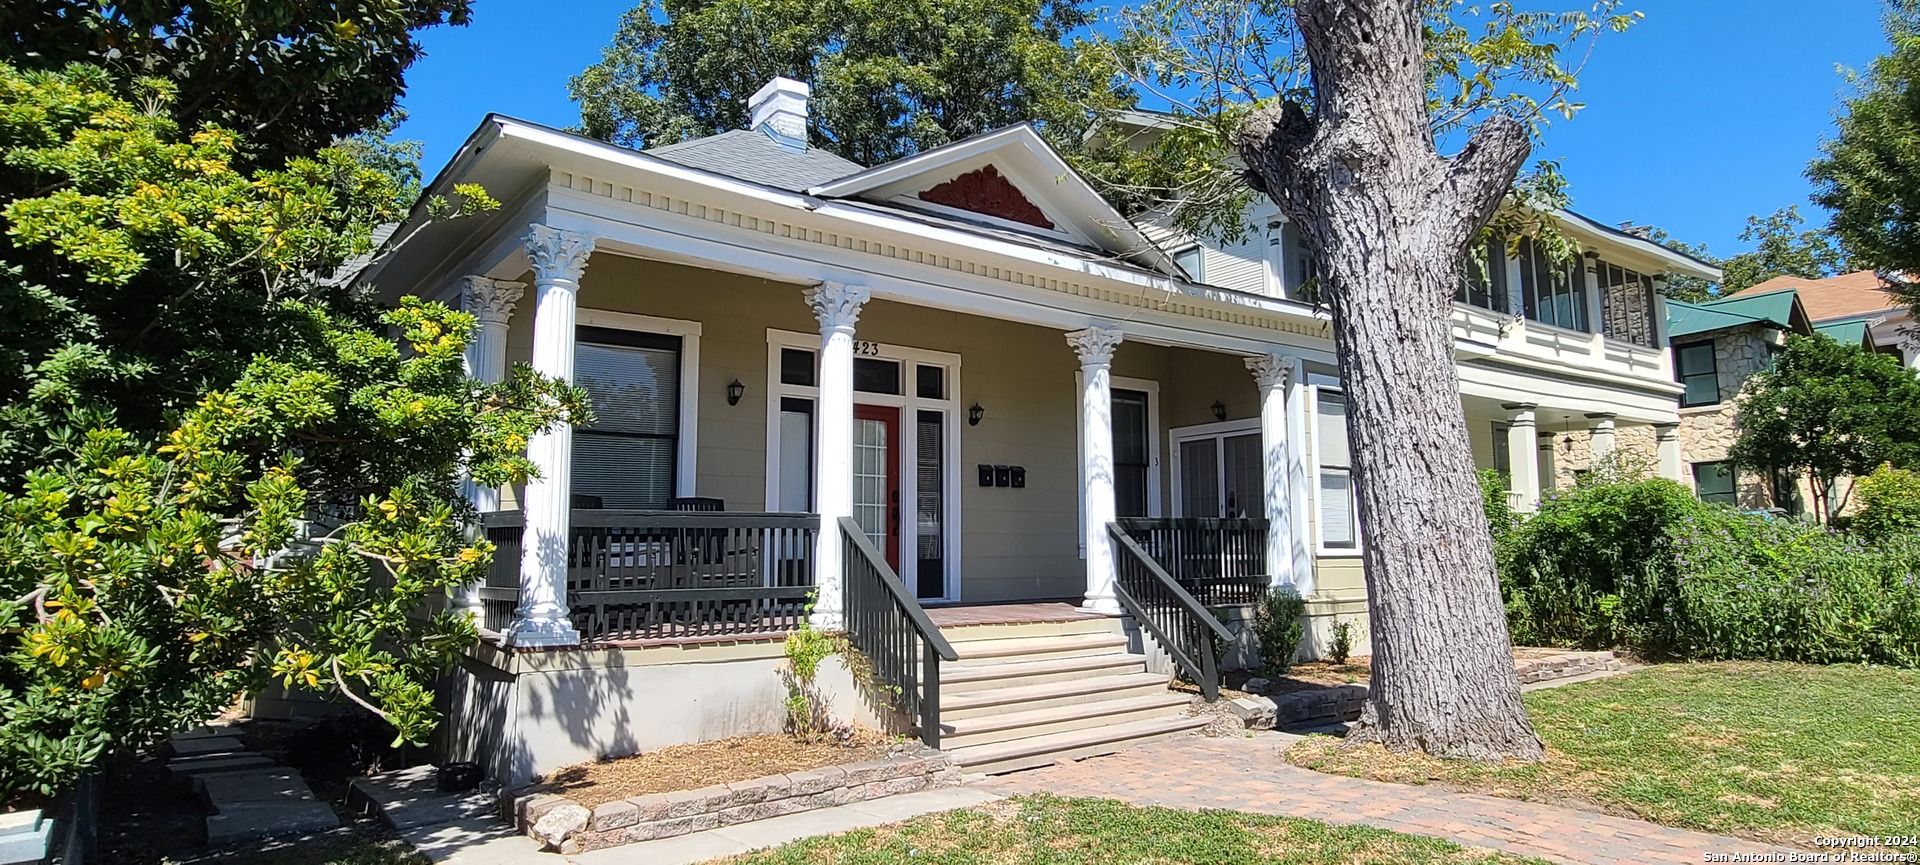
<point>1388,221</point>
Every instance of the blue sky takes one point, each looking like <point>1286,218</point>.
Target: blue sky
<point>1705,113</point>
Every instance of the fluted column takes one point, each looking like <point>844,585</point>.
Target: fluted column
<point>837,306</point>
<point>1270,374</point>
<point>1095,346</point>
<point>1666,438</point>
<point>490,302</point>
<point>559,257</point>
<point>1523,456</point>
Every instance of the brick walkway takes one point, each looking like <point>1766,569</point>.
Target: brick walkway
<point>1249,775</point>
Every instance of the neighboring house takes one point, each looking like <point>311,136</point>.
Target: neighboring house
<point>957,396</point>
<point>1717,346</point>
<point>1843,306</point>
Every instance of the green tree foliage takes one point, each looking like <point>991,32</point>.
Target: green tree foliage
<point>1214,61</point>
<point>1691,289</point>
<point>1827,411</point>
<point>216,467</point>
<point>1782,247</point>
<point>1869,172</point>
<point>286,77</point>
<point>1889,504</point>
<point>888,79</point>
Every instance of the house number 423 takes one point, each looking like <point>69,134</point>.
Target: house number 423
<point>866,349</point>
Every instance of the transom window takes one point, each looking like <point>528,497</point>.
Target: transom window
<point>1694,367</point>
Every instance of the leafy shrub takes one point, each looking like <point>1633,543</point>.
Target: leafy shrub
<point>1278,628</point>
<point>1639,563</point>
<point>1342,646</point>
<point>1889,504</point>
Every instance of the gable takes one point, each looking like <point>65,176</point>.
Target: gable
<point>984,191</point>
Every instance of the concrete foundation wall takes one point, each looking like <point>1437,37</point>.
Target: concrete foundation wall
<point>527,714</point>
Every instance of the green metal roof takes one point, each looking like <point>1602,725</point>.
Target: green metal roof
<point>1780,309</point>
<point>1850,332</point>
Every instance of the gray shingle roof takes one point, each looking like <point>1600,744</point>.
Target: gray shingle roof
<point>752,156</point>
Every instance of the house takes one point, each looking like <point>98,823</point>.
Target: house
<point>1716,346</point>
<point>1844,305</point>
<point>954,405</point>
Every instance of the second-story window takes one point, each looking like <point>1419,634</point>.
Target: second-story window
<point>1191,261</point>
<point>1555,292</point>
<point>1626,304</point>
<point>1288,261</point>
<point>1695,369</point>
<point>1483,281</point>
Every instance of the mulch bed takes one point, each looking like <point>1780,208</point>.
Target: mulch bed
<point>1304,676</point>
<point>690,767</point>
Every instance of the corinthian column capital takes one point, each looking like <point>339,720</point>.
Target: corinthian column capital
<point>558,254</point>
<point>490,300</point>
<point>1271,370</point>
<point>1095,345</point>
<point>837,305</point>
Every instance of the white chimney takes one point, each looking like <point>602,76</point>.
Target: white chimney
<point>780,110</point>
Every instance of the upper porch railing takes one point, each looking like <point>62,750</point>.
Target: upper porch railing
<point>1218,561</point>
<point>635,574</point>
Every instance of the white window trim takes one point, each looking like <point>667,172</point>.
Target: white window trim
<point>687,446</point>
<point>1320,547</point>
<point>1200,277</point>
<point>1220,430</point>
<point>908,402</point>
<point>1152,390</point>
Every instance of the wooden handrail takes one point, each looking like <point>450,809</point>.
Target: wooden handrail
<point>1180,595</point>
<point>1184,628</point>
<point>652,519</point>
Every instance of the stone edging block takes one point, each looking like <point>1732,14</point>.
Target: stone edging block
<point>665,815</point>
<point>1344,702</point>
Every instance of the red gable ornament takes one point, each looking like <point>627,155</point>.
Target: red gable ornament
<point>983,190</point>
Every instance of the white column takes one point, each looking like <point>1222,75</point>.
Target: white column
<point>559,257</point>
<point>1299,480</point>
<point>1270,373</point>
<point>1095,346</point>
<point>838,308</point>
<point>1590,266</point>
<point>1666,438</point>
<point>1601,426</point>
<point>1549,471</point>
<point>1523,456</point>
<point>490,302</point>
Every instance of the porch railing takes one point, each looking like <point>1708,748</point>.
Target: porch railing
<point>885,622</point>
<point>634,574</point>
<point>1218,561</point>
<point>1172,616</point>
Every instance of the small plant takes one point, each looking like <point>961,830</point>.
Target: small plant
<point>1342,642</point>
<point>1277,627</point>
<point>1889,504</point>
<point>807,717</point>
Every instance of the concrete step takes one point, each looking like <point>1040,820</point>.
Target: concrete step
<point>1012,756</point>
<point>977,652</point>
<point>1005,727</point>
<point>1023,630</point>
<point>960,679</point>
<point>1091,689</point>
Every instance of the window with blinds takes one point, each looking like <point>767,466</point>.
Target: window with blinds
<point>1339,519</point>
<point>628,457</point>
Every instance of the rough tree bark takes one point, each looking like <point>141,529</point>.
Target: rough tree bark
<point>1388,220</point>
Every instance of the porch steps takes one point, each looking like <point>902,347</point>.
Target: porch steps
<point>1030,694</point>
<point>1028,753</point>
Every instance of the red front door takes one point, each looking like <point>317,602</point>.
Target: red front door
<point>876,477</point>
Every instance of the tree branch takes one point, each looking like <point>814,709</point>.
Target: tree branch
<point>341,683</point>
<point>1478,178</point>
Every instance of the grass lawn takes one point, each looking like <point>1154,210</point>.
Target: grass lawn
<point>1778,752</point>
<point>1046,830</point>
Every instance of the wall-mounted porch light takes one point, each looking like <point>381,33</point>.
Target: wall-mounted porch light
<point>1219,410</point>
<point>735,391</point>
<point>974,415</point>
